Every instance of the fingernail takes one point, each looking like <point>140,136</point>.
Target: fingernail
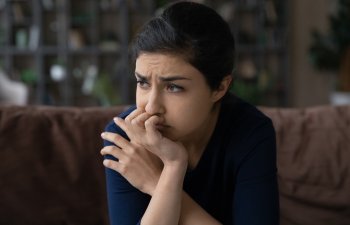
<point>103,134</point>
<point>116,119</point>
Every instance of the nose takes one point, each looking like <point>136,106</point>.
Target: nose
<point>154,103</point>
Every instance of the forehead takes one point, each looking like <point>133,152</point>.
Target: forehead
<point>162,64</point>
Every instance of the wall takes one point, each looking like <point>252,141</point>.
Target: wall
<point>308,85</point>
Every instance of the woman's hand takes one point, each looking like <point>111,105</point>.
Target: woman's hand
<point>142,130</point>
<point>165,204</point>
<point>140,167</point>
<point>140,159</point>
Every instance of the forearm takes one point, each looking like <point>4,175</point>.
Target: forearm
<point>193,214</point>
<point>165,205</point>
<point>171,205</point>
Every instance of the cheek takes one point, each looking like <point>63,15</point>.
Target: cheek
<point>140,100</point>
<point>188,115</point>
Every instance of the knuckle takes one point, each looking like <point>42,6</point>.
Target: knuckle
<point>127,160</point>
<point>123,169</point>
<point>117,138</point>
<point>134,121</point>
<point>132,150</point>
<point>147,122</point>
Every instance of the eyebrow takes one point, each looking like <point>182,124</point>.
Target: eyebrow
<point>165,79</point>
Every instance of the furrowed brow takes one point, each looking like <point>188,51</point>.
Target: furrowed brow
<point>173,78</point>
<point>163,79</point>
<point>141,77</point>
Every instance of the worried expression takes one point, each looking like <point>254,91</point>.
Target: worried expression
<point>171,88</point>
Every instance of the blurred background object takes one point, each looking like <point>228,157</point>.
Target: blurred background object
<point>12,92</point>
<point>331,51</point>
<point>53,45</point>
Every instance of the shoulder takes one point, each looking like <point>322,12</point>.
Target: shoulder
<point>244,128</point>
<point>240,116</point>
<point>248,133</point>
<point>112,127</point>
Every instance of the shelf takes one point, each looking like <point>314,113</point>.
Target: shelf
<point>261,51</point>
<point>16,51</point>
<point>70,34</point>
<point>100,32</point>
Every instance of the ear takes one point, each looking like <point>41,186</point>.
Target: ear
<point>223,88</point>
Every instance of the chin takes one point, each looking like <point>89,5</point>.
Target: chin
<point>170,135</point>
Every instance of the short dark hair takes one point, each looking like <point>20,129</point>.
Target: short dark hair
<point>195,32</point>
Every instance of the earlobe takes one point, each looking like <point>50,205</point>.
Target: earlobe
<point>223,88</point>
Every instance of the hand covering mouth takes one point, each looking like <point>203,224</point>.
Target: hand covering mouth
<point>160,126</point>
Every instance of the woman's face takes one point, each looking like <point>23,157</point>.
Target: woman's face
<point>177,92</point>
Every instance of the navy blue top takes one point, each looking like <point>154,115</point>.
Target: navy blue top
<point>235,180</point>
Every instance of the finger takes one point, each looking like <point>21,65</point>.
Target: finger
<point>113,151</point>
<point>153,121</point>
<point>122,124</point>
<point>140,119</point>
<point>116,139</point>
<point>133,114</point>
<point>128,128</point>
<point>114,165</point>
<point>151,128</point>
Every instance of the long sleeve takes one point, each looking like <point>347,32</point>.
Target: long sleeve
<point>256,194</point>
<point>126,204</point>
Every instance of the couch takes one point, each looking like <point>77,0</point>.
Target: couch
<point>51,171</point>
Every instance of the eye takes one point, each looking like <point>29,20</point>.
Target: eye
<point>142,84</point>
<point>174,88</point>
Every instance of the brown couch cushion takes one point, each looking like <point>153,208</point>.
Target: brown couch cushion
<point>51,171</point>
<point>314,164</point>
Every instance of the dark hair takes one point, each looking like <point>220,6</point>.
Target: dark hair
<point>195,32</point>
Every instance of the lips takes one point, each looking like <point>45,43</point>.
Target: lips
<point>161,126</point>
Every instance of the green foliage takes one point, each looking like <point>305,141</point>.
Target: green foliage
<point>327,49</point>
<point>29,76</point>
<point>161,3</point>
<point>105,92</point>
<point>247,90</point>
<point>255,91</point>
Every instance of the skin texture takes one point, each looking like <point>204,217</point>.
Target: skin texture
<point>168,87</point>
<point>163,144</point>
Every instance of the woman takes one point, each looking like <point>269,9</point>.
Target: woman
<point>189,152</point>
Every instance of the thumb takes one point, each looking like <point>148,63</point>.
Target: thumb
<point>151,128</point>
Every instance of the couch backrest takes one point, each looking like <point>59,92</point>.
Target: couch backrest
<point>51,170</point>
<point>313,157</point>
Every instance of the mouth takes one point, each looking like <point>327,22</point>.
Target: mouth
<point>161,127</point>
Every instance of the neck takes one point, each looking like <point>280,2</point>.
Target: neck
<point>197,144</point>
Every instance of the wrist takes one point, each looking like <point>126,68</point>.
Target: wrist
<point>176,167</point>
<point>150,190</point>
<point>180,161</point>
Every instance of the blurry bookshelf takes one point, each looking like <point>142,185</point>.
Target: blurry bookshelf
<point>260,30</point>
<point>68,52</point>
<point>75,52</point>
